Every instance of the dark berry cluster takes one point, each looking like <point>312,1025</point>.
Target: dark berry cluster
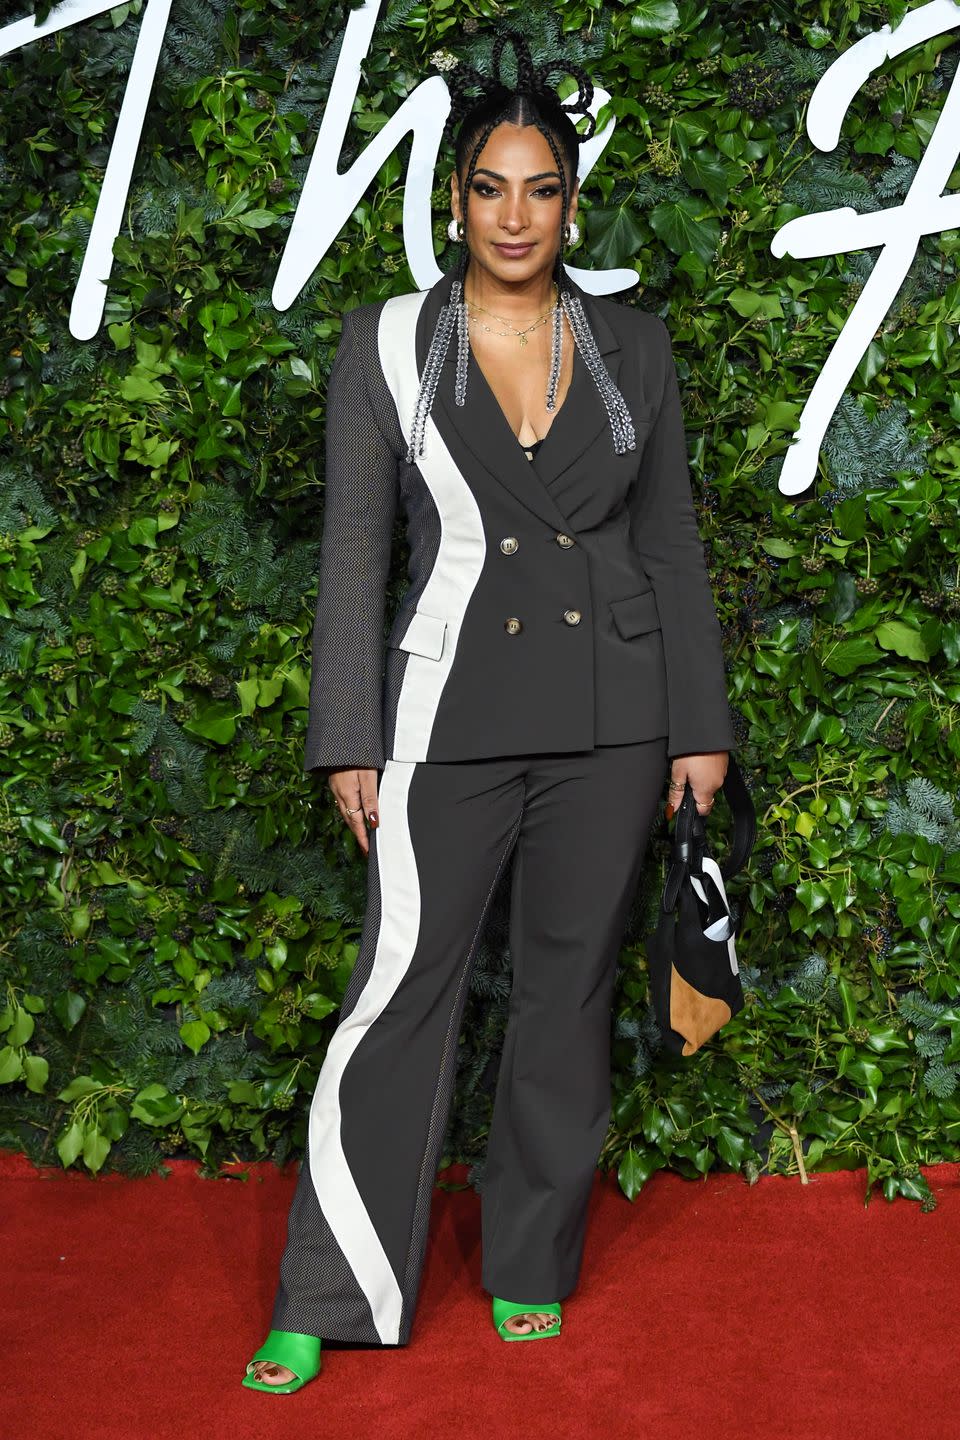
<point>876,87</point>
<point>654,95</point>
<point>878,940</point>
<point>756,88</point>
<point>894,735</point>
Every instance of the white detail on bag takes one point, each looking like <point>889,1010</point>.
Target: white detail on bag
<point>722,928</point>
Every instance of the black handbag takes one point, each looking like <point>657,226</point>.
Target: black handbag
<point>694,976</point>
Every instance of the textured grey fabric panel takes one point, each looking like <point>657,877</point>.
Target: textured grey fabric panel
<point>423,532</point>
<point>423,535</point>
<point>318,1293</point>
<point>363,445</point>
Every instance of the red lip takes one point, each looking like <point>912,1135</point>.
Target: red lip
<point>514,249</point>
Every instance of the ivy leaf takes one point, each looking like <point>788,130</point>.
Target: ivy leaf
<point>213,723</point>
<point>755,302</point>
<point>705,170</point>
<point>614,235</point>
<point>11,1067</point>
<point>653,17</point>
<point>96,1148</point>
<point>35,1073</point>
<point>950,640</point>
<point>634,1171</point>
<point>731,1147</point>
<point>685,225</point>
<point>70,1144</point>
<point>849,655</point>
<point>195,1034</point>
<point>895,635</point>
<point>154,1105</point>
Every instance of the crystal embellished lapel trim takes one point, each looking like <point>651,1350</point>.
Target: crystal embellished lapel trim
<point>453,315</point>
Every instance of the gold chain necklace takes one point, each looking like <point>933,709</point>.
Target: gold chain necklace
<point>521,333</point>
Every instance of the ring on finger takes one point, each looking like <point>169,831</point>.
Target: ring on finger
<point>354,810</point>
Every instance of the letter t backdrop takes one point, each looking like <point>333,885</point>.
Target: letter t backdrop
<point>193,192</point>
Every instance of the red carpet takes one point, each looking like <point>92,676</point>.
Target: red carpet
<point>705,1309</point>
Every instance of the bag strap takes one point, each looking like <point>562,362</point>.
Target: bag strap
<point>744,820</point>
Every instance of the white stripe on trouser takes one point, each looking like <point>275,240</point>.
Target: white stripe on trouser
<point>452,581</point>
<point>337,1193</point>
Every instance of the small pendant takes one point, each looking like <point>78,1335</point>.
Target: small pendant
<point>523,339</point>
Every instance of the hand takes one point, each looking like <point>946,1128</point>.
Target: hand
<point>705,773</point>
<point>356,790</point>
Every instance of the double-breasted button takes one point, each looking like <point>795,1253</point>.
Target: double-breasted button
<point>565,540</point>
<point>508,544</point>
<point>572,617</point>
<point>513,626</point>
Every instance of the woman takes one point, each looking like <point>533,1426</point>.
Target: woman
<point>556,646</point>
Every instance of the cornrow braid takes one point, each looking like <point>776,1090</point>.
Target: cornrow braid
<point>532,102</point>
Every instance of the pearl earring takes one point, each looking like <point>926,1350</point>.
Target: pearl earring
<point>573,233</point>
<point>454,230</point>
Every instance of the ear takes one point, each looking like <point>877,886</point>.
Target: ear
<point>572,199</point>
<point>455,195</point>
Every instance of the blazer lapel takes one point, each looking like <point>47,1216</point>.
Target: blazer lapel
<point>483,427</point>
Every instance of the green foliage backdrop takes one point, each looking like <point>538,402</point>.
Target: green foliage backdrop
<point>181,904</point>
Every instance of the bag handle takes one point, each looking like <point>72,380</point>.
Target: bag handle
<point>689,835</point>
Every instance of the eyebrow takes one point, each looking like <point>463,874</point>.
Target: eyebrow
<point>544,175</point>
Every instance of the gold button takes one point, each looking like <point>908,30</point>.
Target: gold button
<point>508,544</point>
<point>572,617</point>
<point>512,625</point>
<point>566,541</point>
<point>529,454</point>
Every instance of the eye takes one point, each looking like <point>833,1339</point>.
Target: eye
<point>483,187</point>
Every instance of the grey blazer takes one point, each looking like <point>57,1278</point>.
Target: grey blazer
<point>552,604</point>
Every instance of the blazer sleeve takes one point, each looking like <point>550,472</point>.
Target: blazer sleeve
<point>663,527</point>
<point>345,723</point>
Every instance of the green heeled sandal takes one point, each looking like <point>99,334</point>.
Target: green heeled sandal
<point>505,1309</point>
<point>299,1353</point>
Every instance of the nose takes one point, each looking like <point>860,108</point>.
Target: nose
<point>513,217</point>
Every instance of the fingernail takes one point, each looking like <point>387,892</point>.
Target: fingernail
<point>372,817</point>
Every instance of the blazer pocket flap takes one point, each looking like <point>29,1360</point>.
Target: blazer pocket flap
<point>636,614</point>
<point>424,635</point>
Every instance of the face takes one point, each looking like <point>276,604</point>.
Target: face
<point>515,203</point>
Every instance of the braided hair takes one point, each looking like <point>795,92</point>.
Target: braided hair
<point>531,102</point>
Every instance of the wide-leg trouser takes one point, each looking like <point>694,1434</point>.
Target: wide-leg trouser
<point>576,826</point>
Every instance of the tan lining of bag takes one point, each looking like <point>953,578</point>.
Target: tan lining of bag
<point>693,1015</point>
